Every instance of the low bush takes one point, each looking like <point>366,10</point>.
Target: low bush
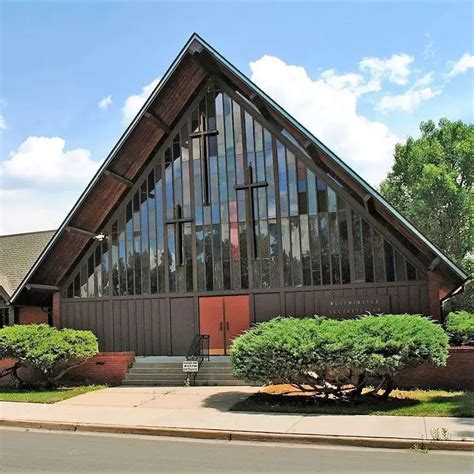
<point>460,328</point>
<point>338,357</point>
<point>51,351</point>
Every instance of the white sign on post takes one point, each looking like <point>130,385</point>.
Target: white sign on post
<point>190,366</point>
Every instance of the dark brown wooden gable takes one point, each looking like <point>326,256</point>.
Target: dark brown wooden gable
<point>128,162</point>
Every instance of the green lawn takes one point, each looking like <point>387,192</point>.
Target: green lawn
<point>45,396</point>
<point>401,403</point>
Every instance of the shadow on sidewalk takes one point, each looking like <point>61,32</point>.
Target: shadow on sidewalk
<point>225,401</point>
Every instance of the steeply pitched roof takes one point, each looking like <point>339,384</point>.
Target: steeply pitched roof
<point>18,253</point>
<point>194,65</point>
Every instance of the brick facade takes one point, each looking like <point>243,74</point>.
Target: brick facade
<point>458,373</point>
<point>32,315</point>
<point>57,310</point>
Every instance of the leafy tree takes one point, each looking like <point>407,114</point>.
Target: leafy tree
<point>432,184</point>
<point>460,327</point>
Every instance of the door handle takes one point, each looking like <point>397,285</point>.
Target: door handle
<point>227,325</point>
<point>220,326</point>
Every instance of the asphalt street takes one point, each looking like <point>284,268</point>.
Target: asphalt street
<point>42,451</point>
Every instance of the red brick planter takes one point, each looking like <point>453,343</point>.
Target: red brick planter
<point>104,368</point>
<point>458,373</point>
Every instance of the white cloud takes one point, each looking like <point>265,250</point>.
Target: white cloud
<point>3,124</point>
<point>327,106</point>
<point>28,211</point>
<point>41,161</point>
<point>407,101</point>
<point>134,102</point>
<point>40,181</point>
<point>424,80</point>
<point>105,102</point>
<point>462,65</point>
<point>395,69</point>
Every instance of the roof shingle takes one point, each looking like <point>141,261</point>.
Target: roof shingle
<point>18,253</point>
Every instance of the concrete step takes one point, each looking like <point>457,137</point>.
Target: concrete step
<point>174,383</point>
<point>164,371</point>
<point>150,365</point>
<point>170,373</point>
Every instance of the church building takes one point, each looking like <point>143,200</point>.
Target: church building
<point>217,210</point>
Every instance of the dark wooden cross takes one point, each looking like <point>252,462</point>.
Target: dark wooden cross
<point>202,134</point>
<point>178,221</point>
<point>249,185</point>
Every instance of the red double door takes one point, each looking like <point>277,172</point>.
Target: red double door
<point>223,318</point>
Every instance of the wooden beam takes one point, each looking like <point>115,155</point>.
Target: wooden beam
<point>158,122</point>
<point>78,230</point>
<point>118,177</point>
<point>39,287</point>
<point>434,264</point>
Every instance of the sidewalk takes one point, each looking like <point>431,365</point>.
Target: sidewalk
<point>204,412</point>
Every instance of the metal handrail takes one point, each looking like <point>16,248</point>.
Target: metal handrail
<point>198,350</point>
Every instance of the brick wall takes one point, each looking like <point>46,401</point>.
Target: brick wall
<point>458,373</point>
<point>56,309</point>
<point>32,315</point>
<point>104,368</point>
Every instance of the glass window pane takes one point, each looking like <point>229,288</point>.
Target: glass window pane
<point>389,261</point>
<point>368,254</point>
<point>334,247</point>
<point>171,242</point>
<point>130,249</point>
<point>324,242</point>
<point>105,268</point>
<point>322,195</point>
<point>344,248</point>
<point>98,272</point>
<point>90,277</point>
<point>378,257</point>
<point>400,266</point>
<point>286,250</point>
<point>282,177</point>
<point>292,184</point>
<point>315,250</point>
<point>359,262</point>
<point>77,286</point>
<point>332,200</point>
<point>411,271</point>
<point>137,243</point>
<point>145,255</point>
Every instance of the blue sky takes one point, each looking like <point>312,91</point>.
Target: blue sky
<point>367,74</point>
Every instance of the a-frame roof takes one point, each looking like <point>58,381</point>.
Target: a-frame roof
<point>193,66</point>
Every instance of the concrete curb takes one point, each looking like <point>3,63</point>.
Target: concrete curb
<point>229,435</point>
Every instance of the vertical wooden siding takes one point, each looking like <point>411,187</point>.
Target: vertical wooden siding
<point>147,326</point>
<point>166,326</point>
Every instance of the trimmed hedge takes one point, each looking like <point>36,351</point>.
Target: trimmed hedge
<point>319,351</point>
<point>460,328</point>
<point>51,351</point>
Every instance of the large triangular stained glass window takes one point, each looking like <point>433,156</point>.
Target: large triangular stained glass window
<point>228,204</point>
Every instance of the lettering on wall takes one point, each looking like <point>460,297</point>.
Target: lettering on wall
<point>355,305</point>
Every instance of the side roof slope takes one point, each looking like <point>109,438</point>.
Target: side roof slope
<point>18,253</point>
